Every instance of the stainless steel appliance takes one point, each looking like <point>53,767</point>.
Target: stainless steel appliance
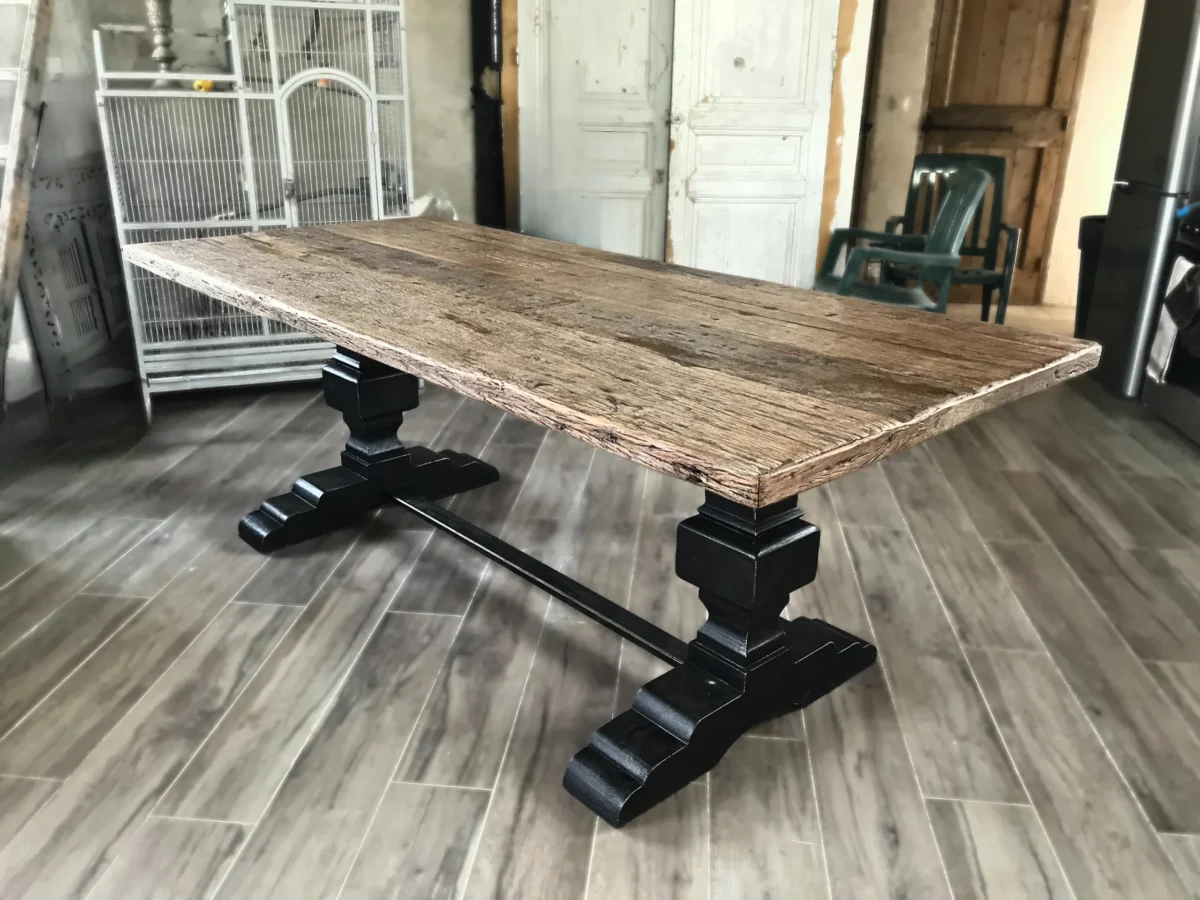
<point>1156,175</point>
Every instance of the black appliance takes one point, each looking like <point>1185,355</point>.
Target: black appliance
<point>1156,175</point>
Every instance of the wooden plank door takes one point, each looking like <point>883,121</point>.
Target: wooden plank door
<point>749,122</point>
<point>594,91</point>
<point>1004,82</point>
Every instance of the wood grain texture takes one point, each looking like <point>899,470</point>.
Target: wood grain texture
<point>306,843</point>
<point>877,836</point>
<point>445,577</point>
<point>45,519</point>
<point>864,498</point>
<point>534,844</point>
<point>27,601</point>
<point>65,848</point>
<point>21,143</point>
<point>977,477</point>
<point>878,840</point>
<point>765,834</point>
<point>1181,683</point>
<point>184,484</point>
<point>610,511</point>
<point>980,603</point>
<point>169,860</point>
<point>656,593</point>
<point>37,664</point>
<point>1115,503</point>
<point>20,798</point>
<point>1157,627</point>
<point>996,852</point>
<point>663,853</point>
<point>754,390</point>
<point>1149,740</point>
<point>955,747</point>
<point>418,844</point>
<point>220,492</point>
<point>1104,843</point>
<point>69,723</point>
<point>1184,850</point>
<point>237,771</point>
<point>463,730</point>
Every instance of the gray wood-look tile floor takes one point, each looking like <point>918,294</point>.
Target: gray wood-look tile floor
<point>381,714</point>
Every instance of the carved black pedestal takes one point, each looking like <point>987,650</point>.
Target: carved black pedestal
<point>746,664</point>
<point>375,465</point>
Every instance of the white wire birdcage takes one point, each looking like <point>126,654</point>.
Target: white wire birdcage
<point>310,127</point>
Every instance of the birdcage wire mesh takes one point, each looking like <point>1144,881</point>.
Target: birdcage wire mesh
<point>312,128</point>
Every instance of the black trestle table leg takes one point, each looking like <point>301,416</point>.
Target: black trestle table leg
<point>747,663</point>
<point>372,398</point>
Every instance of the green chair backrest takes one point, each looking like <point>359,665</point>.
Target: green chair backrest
<point>927,186</point>
<point>960,203</point>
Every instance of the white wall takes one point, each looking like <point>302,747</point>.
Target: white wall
<point>443,133</point>
<point>1107,73</point>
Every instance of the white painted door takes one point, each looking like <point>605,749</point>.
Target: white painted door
<point>594,92</point>
<point>749,122</point>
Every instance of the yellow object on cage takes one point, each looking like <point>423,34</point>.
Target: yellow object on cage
<point>204,85</point>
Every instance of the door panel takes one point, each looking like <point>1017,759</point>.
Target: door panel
<point>594,95</point>
<point>750,116</point>
<point>1003,83</point>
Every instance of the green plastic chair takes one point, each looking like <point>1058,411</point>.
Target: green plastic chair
<point>981,242</point>
<point>931,258</point>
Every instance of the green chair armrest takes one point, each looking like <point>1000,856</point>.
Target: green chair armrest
<point>935,266</point>
<point>893,223</point>
<point>840,236</point>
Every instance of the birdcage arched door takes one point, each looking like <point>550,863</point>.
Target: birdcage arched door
<point>310,127</point>
<point>330,168</point>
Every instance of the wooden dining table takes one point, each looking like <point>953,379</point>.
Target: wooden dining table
<point>753,390</point>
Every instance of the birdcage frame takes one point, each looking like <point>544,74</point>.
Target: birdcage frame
<point>184,340</point>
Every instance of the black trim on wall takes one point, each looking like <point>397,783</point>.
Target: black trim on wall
<point>489,129</point>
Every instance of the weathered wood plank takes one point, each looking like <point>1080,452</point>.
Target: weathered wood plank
<point>955,747</point>
<point>673,368</point>
<point>20,798</point>
<point>1104,843</point>
<point>765,835</point>
<point>242,763</point>
<point>996,852</point>
<point>64,640</point>
<point>306,843</point>
<point>418,844</point>
<point>170,860</point>
<point>68,844</point>
<point>1149,741</point>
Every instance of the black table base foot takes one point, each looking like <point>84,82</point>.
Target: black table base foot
<point>682,722</point>
<point>328,500</point>
<point>376,465</point>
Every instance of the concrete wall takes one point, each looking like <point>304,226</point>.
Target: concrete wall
<point>1107,72</point>
<point>902,69</point>
<point>439,70</point>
